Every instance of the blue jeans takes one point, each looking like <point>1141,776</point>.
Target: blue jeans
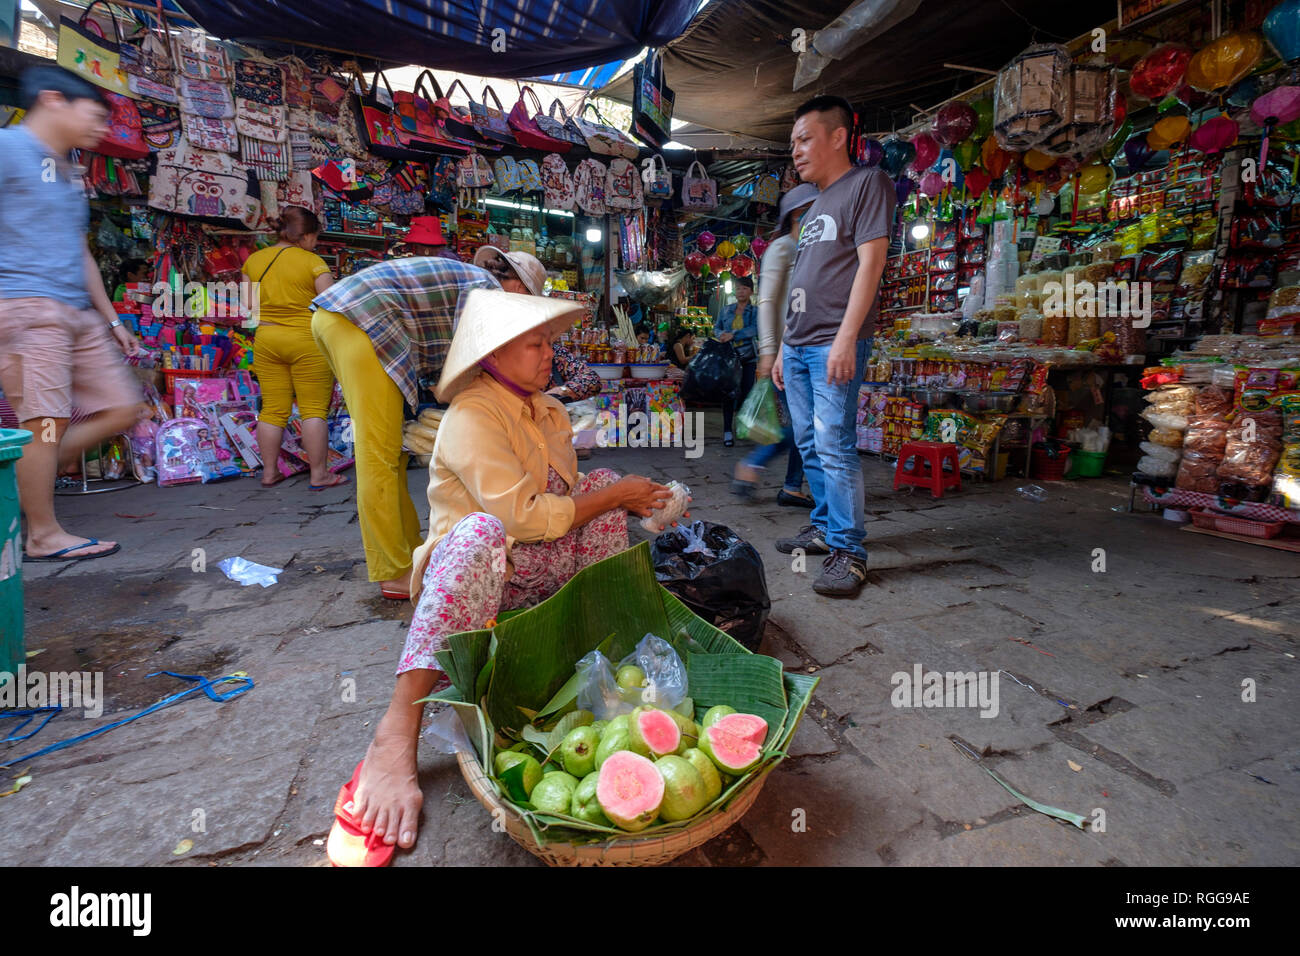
<point>763,454</point>
<point>824,418</point>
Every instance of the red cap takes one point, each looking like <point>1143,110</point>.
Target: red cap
<point>426,230</point>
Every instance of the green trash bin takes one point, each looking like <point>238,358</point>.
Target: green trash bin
<point>12,650</point>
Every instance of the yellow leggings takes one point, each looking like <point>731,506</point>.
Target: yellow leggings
<point>390,529</point>
<point>288,365</point>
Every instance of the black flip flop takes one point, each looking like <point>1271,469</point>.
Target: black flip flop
<point>65,556</point>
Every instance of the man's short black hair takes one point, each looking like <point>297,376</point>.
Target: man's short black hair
<point>838,110</point>
<point>746,281</point>
<point>37,79</point>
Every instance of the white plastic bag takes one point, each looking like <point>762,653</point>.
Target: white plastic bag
<point>664,686</point>
<point>246,572</point>
<point>1157,467</point>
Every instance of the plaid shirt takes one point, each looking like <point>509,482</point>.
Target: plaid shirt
<point>408,308</point>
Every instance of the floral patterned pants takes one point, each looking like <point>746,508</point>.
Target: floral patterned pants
<point>465,582</point>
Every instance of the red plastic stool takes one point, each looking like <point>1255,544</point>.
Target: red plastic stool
<point>927,470</point>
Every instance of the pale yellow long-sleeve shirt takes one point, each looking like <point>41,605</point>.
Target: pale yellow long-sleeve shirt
<point>492,456</point>
<point>774,293</point>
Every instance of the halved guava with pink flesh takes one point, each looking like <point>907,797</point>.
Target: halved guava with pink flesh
<point>653,732</point>
<point>629,790</point>
<point>735,743</point>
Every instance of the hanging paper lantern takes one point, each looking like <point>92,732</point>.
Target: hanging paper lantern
<point>1245,92</point>
<point>927,151</point>
<point>1037,161</point>
<point>1225,61</point>
<point>1194,100</point>
<point>1279,105</point>
<point>741,243</point>
<point>1169,131</point>
<point>1282,29</point>
<point>758,246</point>
<point>967,154</point>
<point>1095,178</point>
<point>903,189</point>
<point>1043,205</point>
<point>983,118</point>
<point>742,266</point>
<point>1090,112</point>
<point>1214,135</point>
<point>1158,73</point>
<point>705,240</point>
<point>898,153</point>
<point>724,275</point>
<point>977,180</point>
<point>1033,93</point>
<point>704,269</point>
<point>717,263</point>
<point>870,152</point>
<point>694,261</point>
<point>1137,153</point>
<point>953,123</point>
<point>931,184</point>
<point>995,158</point>
<point>726,248</point>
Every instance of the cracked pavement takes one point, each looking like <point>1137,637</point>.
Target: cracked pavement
<point>1134,675</point>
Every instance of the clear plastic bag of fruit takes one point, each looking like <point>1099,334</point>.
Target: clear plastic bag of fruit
<point>653,674</point>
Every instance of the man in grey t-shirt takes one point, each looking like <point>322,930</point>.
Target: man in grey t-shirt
<point>841,254</point>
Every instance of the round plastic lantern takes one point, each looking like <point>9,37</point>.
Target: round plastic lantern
<point>705,240</point>
<point>1158,73</point>
<point>1043,205</point>
<point>758,246</point>
<point>903,189</point>
<point>953,123</point>
<point>870,152</point>
<point>1192,99</point>
<point>717,263</point>
<point>931,184</point>
<point>983,117</point>
<point>1214,135</point>
<point>898,153</point>
<point>927,151</point>
<point>1137,153</point>
<point>995,159</point>
<point>726,248</point>
<point>1037,161</point>
<point>693,262</point>
<point>741,243</point>
<point>1245,92</point>
<point>742,266</point>
<point>1225,61</point>
<point>1282,30</point>
<point>724,275</point>
<point>967,154</point>
<point>1169,131</point>
<point>1277,106</point>
<point>977,180</point>
<point>1095,178</point>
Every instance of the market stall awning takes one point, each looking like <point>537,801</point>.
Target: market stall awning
<point>734,70</point>
<point>537,38</point>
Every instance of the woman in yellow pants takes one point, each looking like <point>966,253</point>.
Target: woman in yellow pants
<point>286,360</point>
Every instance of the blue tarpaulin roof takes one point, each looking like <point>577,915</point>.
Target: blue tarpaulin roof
<point>539,36</point>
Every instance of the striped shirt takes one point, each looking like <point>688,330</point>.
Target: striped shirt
<point>408,308</point>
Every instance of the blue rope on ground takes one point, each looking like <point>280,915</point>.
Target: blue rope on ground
<point>29,714</point>
<point>202,683</point>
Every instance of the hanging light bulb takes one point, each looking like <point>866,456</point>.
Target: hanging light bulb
<point>920,230</point>
<point>593,234</point>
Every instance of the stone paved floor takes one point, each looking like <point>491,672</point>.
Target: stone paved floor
<point>1134,676</point>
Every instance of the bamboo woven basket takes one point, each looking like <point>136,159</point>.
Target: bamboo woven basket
<point>629,851</point>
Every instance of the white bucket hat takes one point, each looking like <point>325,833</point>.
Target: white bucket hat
<point>529,268</point>
<point>488,319</point>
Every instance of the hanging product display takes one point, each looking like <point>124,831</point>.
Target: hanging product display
<point>1090,113</point>
<point>1032,98</point>
<point>1160,72</point>
<point>1224,61</point>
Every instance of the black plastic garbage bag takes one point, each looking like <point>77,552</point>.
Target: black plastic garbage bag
<point>718,575</point>
<point>713,374</point>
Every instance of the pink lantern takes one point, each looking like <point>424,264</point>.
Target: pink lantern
<point>705,240</point>
<point>742,266</point>
<point>953,123</point>
<point>1214,135</point>
<point>694,262</point>
<point>758,246</point>
<point>927,151</point>
<point>931,184</point>
<point>1279,105</point>
<point>717,263</point>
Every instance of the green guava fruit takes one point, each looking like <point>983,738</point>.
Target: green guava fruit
<point>599,726</point>
<point>630,790</point>
<point>654,732</point>
<point>686,708</point>
<point>532,769</point>
<point>585,805</point>
<point>630,676</point>
<point>578,751</point>
<point>714,714</point>
<point>617,722</point>
<point>553,795</point>
<point>614,740</point>
<point>708,772</point>
<point>684,789</point>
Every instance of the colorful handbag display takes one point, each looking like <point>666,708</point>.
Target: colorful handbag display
<point>161,124</point>
<point>457,122</point>
<point>442,182</point>
<point>768,189</point>
<point>557,184</point>
<point>259,81</point>
<point>297,83</point>
<point>260,121</point>
<point>490,121</point>
<point>623,186</point>
<point>589,186</point>
<point>125,137</point>
<point>699,192</point>
<point>199,58</point>
<point>652,101</point>
<point>144,88</point>
<point>209,98</point>
<point>530,177</point>
<point>506,172</point>
<point>210,133</point>
<point>147,55</point>
<point>377,122</point>
<point>84,51</point>
<point>197,182</point>
<point>416,121</point>
<point>473,172</point>
<point>656,176</point>
<point>526,129</point>
<point>561,129</point>
<point>604,139</point>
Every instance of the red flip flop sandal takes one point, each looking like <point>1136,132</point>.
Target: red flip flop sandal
<point>347,845</point>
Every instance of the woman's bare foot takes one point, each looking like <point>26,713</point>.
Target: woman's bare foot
<point>388,796</point>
